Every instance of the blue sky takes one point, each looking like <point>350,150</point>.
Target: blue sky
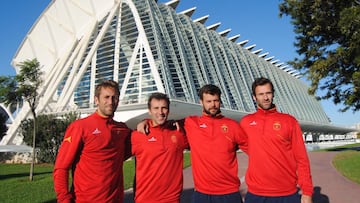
<point>255,20</point>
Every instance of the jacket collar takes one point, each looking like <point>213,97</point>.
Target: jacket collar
<point>217,116</point>
<point>107,119</point>
<point>268,111</point>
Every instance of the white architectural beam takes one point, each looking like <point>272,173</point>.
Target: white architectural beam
<point>242,43</point>
<point>188,12</point>
<point>173,4</point>
<point>263,55</point>
<point>269,58</point>
<point>257,51</point>
<point>234,38</point>
<point>279,64</point>
<point>250,47</point>
<point>213,27</point>
<point>202,20</point>
<point>225,32</point>
<point>275,61</point>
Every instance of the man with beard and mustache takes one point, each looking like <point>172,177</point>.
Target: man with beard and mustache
<point>214,141</point>
<point>94,149</point>
<point>275,143</point>
<point>158,156</point>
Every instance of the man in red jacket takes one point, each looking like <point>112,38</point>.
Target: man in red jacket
<point>94,148</point>
<point>278,160</point>
<point>159,156</point>
<point>214,141</point>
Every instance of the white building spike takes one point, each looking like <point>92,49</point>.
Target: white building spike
<point>275,61</point>
<point>242,43</point>
<point>296,74</point>
<point>257,51</point>
<point>188,12</point>
<point>173,4</point>
<point>234,38</point>
<point>279,64</point>
<point>202,20</point>
<point>263,55</point>
<point>269,58</point>
<point>225,32</point>
<point>250,47</point>
<point>283,67</point>
<point>213,26</point>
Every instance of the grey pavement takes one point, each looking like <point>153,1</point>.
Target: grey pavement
<point>329,185</point>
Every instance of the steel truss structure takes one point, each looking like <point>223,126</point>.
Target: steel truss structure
<point>148,47</point>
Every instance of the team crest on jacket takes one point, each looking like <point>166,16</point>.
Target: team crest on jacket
<point>118,131</point>
<point>224,128</point>
<point>174,138</point>
<point>277,125</point>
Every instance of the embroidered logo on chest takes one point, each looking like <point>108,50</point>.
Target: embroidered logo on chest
<point>96,131</point>
<point>152,139</point>
<point>224,128</point>
<point>276,125</point>
<point>203,125</point>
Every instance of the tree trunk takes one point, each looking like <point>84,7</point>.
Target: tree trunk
<point>33,150</point>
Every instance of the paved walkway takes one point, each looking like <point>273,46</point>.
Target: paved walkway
<point>329,185</point>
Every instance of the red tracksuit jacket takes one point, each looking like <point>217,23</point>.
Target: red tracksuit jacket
<point>278,160</point>
<point>159,165</point>
<point>213,145</point>
<point>94,148</point>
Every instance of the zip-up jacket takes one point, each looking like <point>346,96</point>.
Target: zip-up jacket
<point>213,144</point>
<point>159,164</point>
<point>278,160</point>
<point>94,148</point>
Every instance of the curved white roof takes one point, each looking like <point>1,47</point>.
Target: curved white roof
<point>58,28</point>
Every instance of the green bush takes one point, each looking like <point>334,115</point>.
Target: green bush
<point>49,134</point>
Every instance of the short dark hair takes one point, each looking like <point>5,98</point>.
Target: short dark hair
<point>158,96</point>
<point>107,83</point>
<point>261,81</point>
<point>209,89</point>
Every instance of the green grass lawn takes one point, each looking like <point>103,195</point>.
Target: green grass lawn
<point>347,162</point>
<point>16,187</point>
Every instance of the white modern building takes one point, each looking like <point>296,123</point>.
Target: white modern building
<point>147,47</point>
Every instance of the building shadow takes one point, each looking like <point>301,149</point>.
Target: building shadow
<point>318,197</point>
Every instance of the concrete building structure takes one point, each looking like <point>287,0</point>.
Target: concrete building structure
<point>149,47</point>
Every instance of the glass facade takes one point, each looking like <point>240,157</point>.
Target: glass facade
<point>152,42</point>
<point>148,47</point>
